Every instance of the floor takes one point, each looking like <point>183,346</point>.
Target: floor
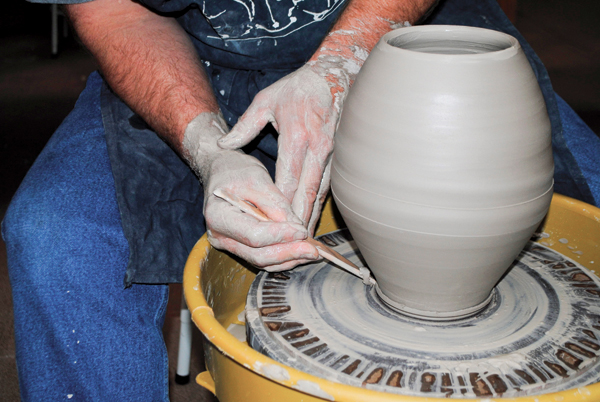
<point>37,92</point>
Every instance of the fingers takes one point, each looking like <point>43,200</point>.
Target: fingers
<point>290,160</point>
<point>272,203</point>
<point>298,135</point>
<point>225,220</point>
<point>311,181</point>
<point>245,178</point>
<point>321,195</point>
<point>274,240</point>
<point>277,257</point>
<point>275,245</point>
<point>306,143</point>
<point>302,162</point>
<point>285,266</point>
<point>248,126</point>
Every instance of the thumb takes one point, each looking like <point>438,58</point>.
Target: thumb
<point>247,128</point>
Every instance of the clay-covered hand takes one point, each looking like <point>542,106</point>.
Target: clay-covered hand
<point>304,108</point>
<point>273,246</point>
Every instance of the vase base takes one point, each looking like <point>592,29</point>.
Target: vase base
<point>434,315</point>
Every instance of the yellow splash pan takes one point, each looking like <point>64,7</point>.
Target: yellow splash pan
<point>216,286</point>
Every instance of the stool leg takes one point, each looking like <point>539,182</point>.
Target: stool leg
<point>182,375</point>
<point>65,25</point>
<point>54,12</point>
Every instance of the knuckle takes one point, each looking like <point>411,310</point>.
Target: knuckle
<point>256,237</point>
<point>217,243</point>
<point>259,263</point>
<point>311,193</point>
<point>262,97</point>
<point>325,145</point>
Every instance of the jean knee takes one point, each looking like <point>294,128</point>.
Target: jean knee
<point>56,234</point>
<point>21,223</point>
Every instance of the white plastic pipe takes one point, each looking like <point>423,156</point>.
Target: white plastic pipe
<point>182,375</point>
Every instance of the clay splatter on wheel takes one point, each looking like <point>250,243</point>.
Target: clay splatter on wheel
<point>540,333</point>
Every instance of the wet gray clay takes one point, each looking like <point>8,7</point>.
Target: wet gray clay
<point>443,165</point>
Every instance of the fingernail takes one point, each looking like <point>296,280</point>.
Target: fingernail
<point>300,235</point>
<point>224,140</point>
<point>301,232</point>
<point>310,256</point>
<point>294,218</point>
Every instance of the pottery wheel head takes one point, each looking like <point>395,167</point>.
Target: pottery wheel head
<point>539,333</point>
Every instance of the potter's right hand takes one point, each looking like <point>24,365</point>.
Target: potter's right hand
<point>273,246</point>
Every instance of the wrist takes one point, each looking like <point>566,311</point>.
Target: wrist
<point>343,52</point>
<point>338,61</point>
<point>199,144</point>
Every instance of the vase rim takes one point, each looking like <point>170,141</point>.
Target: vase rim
<point>454,42</point>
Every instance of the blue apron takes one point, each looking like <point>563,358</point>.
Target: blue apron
<point>246,46</point>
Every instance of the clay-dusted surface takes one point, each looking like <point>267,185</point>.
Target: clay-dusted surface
<point>541,332</point>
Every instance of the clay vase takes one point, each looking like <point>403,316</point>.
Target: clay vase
<point>443,165</point>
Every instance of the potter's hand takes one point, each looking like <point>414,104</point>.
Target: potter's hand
<point>304,108</point>
<point>273,246</point>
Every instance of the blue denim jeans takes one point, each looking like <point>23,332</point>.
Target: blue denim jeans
<point>80,334</point>
<point>584,144</point>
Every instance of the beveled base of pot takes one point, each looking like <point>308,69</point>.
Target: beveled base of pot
<point>434,315</point>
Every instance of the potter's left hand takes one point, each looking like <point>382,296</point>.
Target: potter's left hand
<point>304,108</point>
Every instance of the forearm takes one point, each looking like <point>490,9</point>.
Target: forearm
<point>357,31</point>
<point>363,22</point>
<point>149,61</point>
